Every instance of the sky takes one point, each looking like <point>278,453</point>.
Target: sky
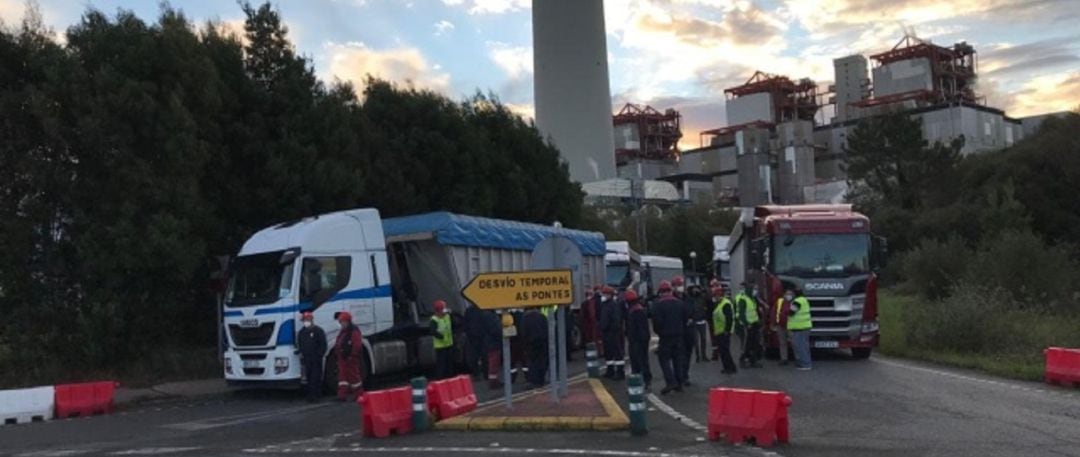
<point>677,54</point>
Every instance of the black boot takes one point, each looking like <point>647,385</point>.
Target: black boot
<point>620,374</point>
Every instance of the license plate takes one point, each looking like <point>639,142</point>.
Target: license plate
<point>827,344</point>
<point>251,364</point>
<point>249,323</point>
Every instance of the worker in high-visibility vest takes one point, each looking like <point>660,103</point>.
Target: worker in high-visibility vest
<point>442,329</point>
<point>746,311</point>
<point>799,325</point>
<point>723,323</point>
<point>778,320</point>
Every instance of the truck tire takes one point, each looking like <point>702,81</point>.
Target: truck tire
<point>861,353</point>
<point>365,374</point>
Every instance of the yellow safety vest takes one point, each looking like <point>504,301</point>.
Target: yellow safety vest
<point>801,319</point>
<point>748,306</point>
<point>445,338</point>
<point>718,318</point>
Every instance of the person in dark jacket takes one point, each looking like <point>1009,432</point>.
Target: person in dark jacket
<point>492,344</point>
<point>312,344</point>
<point>669,322</point>
<point>637,332</point>
<point>611,324</point>
<point>701,326</point>
<point>475,353</point>
<point>691,331</point>
<point>349,347</point>
<point>534,336</point>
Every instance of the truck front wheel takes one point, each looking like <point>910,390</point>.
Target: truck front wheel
<point>861,353</point>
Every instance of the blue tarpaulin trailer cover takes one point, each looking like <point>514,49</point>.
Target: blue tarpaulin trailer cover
<point>457,230</point>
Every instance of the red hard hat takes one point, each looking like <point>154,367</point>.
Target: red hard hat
<point>306,316</point>
<point>664,286</point>
<point>630,296</point>
<point>678,281</point>
<point>344,316</point>
<point>439,305</point>
<point>608,290</point>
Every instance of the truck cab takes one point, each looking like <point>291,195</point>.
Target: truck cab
<point>829,253</point>
<point>623,266</point>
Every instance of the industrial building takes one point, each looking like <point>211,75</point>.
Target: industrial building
<point>778,146</point>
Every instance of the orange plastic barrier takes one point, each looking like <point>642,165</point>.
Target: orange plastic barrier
<point>85,399</point>
<point>451,397</point>
<point>1062,366</point>
<point>742,414</point>
<point>386,411</point>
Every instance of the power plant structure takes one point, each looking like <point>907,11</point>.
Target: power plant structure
<point>780,147</point>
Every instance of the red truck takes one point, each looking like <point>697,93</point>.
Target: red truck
<point>826,250</point>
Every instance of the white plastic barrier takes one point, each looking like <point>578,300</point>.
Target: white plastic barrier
<point>20,406</point>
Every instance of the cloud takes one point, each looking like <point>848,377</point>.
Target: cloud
<point>828,17</point>
<point>515,61</point>
<point>1046,94</point>
<point>740,26</point>
<point>525,110</point>
<point>1034,57</point>
<point>477,7</point>
<point>353,61</point>
<point>443,26</point>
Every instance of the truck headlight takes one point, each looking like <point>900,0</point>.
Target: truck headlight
<point>228,365</point>
<point>870,327</point>
<point>281,365</point>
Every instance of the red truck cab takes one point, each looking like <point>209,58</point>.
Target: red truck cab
<point>829,252</point>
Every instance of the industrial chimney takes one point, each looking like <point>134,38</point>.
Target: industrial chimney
<point>571,89</point>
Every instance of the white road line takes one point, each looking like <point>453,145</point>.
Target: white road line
<point>667,409</point>
<point>155,451</point>
<point>55,453</point>
<point>225,421</point>
<point>1010,385</point>
<point>481,450</point>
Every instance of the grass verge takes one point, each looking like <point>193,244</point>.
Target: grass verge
<point>907,320</point>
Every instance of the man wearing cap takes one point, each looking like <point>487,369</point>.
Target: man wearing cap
<point>442,330</point>
<point>312,344</point>
<point>637,332</point>
<point>611,325</point>
<point>669,321</point>
<point>349,348</point>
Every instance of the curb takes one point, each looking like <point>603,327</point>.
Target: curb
<point>615,418</point>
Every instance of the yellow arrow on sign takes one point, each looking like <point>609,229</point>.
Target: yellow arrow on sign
<point>520,289</point>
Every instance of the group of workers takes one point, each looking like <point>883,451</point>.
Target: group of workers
<point>619,325</point>
<point>682,319</point>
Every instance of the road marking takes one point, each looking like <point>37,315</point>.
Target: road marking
<point>55,453</point>
<point>225,421</point>
<point>1010,385</point>
<point>482,450</point>
<point>667,409</point>
<point>155,450</point>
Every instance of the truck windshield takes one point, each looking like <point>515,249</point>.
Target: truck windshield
<point>821,255</point>
<point>617,275</point>
<point>259,279</point>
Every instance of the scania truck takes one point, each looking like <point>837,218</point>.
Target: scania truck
<point>829,252</point>
<point>386,273</point>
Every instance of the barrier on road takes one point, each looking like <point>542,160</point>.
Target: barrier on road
<point>386,411</point>
<point>451,397</point>
<point>636,391</point>
<point>85,399</point>
<point>419,404</point>
<point>19,406</point>
<point>740,415</point>
<point>592,360</point>
<point>1062,366</point>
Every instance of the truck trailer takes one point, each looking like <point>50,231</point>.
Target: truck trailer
<point>386,273</point>
<point>827,251</point>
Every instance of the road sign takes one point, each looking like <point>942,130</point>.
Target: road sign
<point>520,289</point>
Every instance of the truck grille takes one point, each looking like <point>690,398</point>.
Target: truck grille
<point>257,336</point>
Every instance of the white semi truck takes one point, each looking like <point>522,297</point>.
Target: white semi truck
<point>386,273</point>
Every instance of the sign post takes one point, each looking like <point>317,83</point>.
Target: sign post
<point>520,289</point>
<point>560,252</point>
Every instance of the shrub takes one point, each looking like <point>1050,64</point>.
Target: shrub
<point>1036,276</point>
<point>934,267</point>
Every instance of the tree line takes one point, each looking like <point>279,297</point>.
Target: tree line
<point>132,153</point>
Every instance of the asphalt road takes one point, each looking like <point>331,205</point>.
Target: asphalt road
<point>879,407</point>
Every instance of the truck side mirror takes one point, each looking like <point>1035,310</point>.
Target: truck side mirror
<point>880,252</point>
<point>757,253</point>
